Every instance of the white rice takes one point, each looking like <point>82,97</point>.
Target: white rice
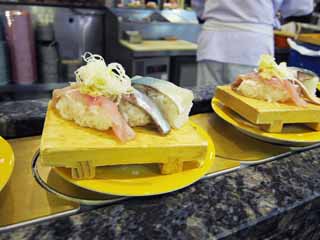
<point>93,117</point>
<point>261,91</point>
<point>134,115</point>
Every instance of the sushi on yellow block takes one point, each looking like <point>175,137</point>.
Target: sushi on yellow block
<point>269,116</point>
<point>66,144</point>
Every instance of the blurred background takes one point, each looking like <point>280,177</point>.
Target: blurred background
<point>41,41</point>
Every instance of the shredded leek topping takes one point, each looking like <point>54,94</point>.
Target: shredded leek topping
<point>268,68</point>
<point>96,78</point>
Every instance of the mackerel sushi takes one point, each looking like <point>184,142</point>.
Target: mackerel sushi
<point>104,98</point>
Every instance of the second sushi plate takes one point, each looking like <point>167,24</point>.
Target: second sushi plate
<point>6,162</point>
<point>292,135</point>
<point>142,180</point>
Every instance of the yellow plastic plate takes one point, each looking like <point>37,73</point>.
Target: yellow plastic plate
<point>292,135</point>
<point>142,180</point>
<point>234,145</point>
<point>222,165</point>
<point>6,162</point>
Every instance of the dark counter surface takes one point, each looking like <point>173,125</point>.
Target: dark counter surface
<point>275,200</point>
<point>22,118</point>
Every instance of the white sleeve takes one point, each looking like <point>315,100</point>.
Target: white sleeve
<point>296,7</point>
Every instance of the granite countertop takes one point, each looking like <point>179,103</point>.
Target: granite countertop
<point>22,118</point>
<point>275,200</point>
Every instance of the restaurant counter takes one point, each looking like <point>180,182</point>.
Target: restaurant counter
<point>274,200</point>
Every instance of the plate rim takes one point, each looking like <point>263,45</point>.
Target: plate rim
<point>210,155</point>
<point>46,186</point>
<point>12,159</point>
<point>250,132</point>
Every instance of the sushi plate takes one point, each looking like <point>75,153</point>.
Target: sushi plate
<point>6,162</point>
<point>48,179</point>
<point>222,166</point>
<point>142,180</point>
<point>292,135</point>
<point>234,145</point>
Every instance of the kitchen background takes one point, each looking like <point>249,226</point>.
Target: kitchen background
<point>41,42</point>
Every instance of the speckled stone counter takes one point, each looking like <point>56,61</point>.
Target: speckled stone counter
<point>22,118</point>
<point>26,118</point>
<point>275,200</point>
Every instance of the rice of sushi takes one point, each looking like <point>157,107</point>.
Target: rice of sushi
<point>95,117</point>
<point>92,117</point>
<point>261,91</point>
<point>134,115</point>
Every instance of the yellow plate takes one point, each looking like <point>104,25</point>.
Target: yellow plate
<point>292,135</point>
<point>6,162</point>
<point>234,145</point>
<point>222,165</point>
<point>23,200</point>
<point>142,180</point>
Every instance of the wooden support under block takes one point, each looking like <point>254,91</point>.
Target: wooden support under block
<point>85,170</point>
<point>275,126</point>
<point>171,167</point>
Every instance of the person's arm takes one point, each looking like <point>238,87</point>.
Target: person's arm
<point>296,8</point>
<point>198,7</point>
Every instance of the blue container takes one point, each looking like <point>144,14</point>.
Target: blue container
<point>298,60</point>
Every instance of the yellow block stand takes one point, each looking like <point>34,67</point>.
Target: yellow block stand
<point>269,116</point>
<point>65,144</point>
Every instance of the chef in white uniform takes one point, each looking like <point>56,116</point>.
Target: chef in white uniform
<point>236,33</point>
